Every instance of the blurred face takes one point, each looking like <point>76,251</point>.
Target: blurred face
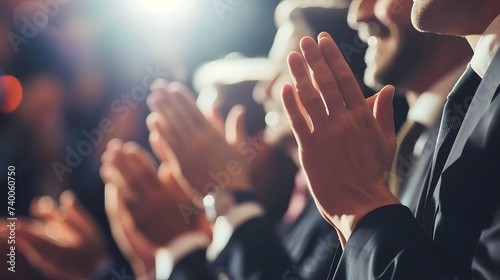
<point>268,93</point>
<point>395,47</point>
<point>454,17</point>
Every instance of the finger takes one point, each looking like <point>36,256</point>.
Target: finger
<point>295,117</point>
<point>112,175</point>
<point>33,256</point>
<point>142,165</point>
<point>144,156</point>
<point>186,105</point>
<point>309,97</point>
<point>323,76</point>
<point>22,224</point>
<point>112,210</point>
<point>160,147</point>
<point>112,145</point>
<point>45,208</point>
<point>38,242</point>
<point>75,215</point>
<point>235,125</point>
<point>383,112</point>
<point>370,101</point>
<point>155,122</point>
<point>181,191</point>
<point>118,216</point>
<point>158,84</point>
<point>142,170</point>
<point>215,119</point>
<point>165,106</point>
<point>349,88</point>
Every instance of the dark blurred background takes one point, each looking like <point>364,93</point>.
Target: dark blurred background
<point>85,68</point>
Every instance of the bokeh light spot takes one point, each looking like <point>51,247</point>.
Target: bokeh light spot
<point>11,94</point>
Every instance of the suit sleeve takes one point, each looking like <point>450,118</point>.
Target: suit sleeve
<point>255,251</point>
<point>193,267</point>
<point>389,243</point>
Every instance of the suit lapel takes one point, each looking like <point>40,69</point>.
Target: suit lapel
<point>477,134</point>
<point>487,90</point>
<point>478,107</point>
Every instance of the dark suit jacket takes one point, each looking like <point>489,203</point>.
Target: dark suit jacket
<point>256,251</point>
<point>464,241</point>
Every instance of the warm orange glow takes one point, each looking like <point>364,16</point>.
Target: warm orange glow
<point>13,94</point>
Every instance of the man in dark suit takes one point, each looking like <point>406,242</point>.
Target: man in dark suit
<point>455,233</point>
<point>405,64</point>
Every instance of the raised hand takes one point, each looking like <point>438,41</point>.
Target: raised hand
<point>346,143</point>
<point>64,242</point>
<point>154,200</point>
<point>204,158</point>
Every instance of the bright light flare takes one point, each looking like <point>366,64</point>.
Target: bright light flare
<point>160,10</point>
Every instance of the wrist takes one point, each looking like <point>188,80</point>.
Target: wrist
<point>346,223</point>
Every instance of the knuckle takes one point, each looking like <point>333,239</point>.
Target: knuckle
<point>315,101</point>
<point>344,77</point>
<point>342,126</point>
<point>329,83</point>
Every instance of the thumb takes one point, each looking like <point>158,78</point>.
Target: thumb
<point>383,111</point>
<point>235,125</point>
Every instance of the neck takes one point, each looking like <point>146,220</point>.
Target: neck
<point>489,16</point>
<point>446,61</point>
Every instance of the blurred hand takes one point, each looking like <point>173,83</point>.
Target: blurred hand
<point>64,242</point>
<point>348,150</point>
<point>138,251</point>
<point>153,198</point>
<point>204,158</point>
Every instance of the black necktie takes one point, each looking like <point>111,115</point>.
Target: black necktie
<point>454,113</point>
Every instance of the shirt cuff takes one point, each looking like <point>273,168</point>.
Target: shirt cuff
<point>225,225</point>
<point>168,256</point>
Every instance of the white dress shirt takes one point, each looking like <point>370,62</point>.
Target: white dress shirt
<point>486,48</point>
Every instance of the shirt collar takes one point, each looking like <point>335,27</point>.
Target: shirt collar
<point>486,48</point>
<point>429,105</point>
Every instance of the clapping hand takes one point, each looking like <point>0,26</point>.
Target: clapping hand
<point>153,198</point>
<point>62,241</point>
<point>346,143</point>
<point>203,157</point>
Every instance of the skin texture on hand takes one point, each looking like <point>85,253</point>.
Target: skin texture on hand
<point>152,197</point>
<point>202,155</point>
<point>346,143</point>
<point>62,241</point>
